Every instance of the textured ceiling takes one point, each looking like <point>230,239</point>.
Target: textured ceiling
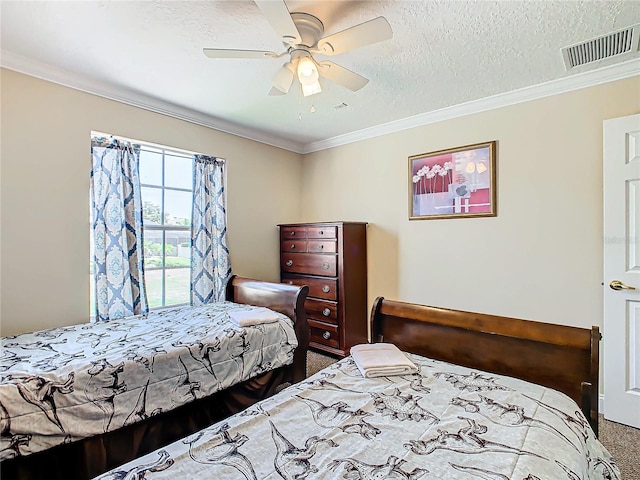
<point>443,53</point>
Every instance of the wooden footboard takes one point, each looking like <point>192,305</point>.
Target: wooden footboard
<point>286,299</point>
<point>556,356</point>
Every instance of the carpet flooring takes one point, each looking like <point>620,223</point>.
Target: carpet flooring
<point>622,442</point>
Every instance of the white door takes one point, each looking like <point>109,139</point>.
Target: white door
<point>622,270</point>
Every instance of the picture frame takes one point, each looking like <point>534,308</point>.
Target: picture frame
<point>453,183</point>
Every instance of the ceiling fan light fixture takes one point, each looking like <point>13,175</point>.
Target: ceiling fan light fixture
<point>307,71</point>
<point>308,76</point>
<point>283,78</point>
<point>311,89</point>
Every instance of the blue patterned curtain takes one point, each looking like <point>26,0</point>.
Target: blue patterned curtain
<point>210,263</point>
<point>117,229</point>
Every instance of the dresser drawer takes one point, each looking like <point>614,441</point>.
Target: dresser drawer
<point>293,232</point>
<point>311,263</point>
<point>321,232</point>
<point>321,246</point>
<point>293,245</point>
<point>326,288</point>
<point>324,310</point>
<point>324,333</point>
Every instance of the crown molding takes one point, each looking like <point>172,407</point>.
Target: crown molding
<point>47,72</point>
<point>62,77</point>
<point>575,82</point>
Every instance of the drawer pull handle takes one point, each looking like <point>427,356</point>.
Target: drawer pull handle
<point>326,289</point>
<point>326,335</point>
<point>290,282</point>
<point>321,232</point>
<point>326,312</point>
<point>325,265</point>
<point>289,263</point>
<point>320,247</point>
<point>293,233</point>
<point>293,246</point>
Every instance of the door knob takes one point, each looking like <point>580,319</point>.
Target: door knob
<point>618,285</point>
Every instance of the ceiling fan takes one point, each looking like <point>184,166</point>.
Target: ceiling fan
<point>302,36</point>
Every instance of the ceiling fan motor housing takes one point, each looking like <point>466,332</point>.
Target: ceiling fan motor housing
<point>309,27</point>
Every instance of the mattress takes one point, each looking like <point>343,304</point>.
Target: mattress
<point>68,383</point>
<point>444,422</point>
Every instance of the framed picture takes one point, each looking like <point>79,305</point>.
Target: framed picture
<point>454,183</point>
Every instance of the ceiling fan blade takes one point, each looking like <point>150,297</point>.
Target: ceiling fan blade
<point>280,19</point>
<point>342,76</point>
<point>231,53</point>
<point>283,78</point>
<point>366,33</point>
<point>274,92</point>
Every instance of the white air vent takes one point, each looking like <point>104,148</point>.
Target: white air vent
<point>616,43</point>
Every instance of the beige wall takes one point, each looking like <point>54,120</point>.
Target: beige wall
<point>44,192</point>
<point>540,258</point>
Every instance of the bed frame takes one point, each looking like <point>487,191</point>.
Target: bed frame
<point>560,357</point>
<point>92,456</point>
<point>286,299</point>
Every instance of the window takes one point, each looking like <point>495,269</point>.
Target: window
<point>166,179</point>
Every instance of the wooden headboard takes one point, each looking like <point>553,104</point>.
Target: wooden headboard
<point>560,357</point>
<point>286,299</point>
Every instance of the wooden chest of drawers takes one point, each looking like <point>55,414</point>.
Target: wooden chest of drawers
<point>331,258</point>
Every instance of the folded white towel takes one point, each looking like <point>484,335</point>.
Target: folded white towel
<point>381,360</point>
<point>254,316</point>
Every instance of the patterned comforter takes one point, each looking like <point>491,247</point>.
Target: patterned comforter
<point>67,383</point>
<point>445,422</point>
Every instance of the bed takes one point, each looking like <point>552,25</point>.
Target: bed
<point>494,398</point>
<point>75,401</point>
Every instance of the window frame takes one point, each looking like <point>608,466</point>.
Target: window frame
<point>163,227</point>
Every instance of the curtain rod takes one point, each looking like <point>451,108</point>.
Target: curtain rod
<point>155,145</point>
